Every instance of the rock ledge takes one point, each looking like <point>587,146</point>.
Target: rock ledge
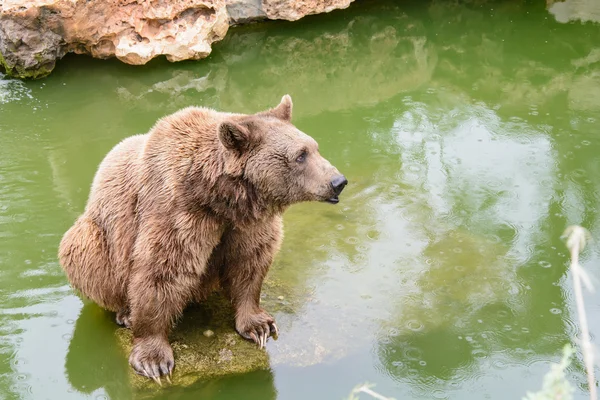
<point>36,33</point>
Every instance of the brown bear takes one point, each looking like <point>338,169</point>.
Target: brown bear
<point>193,205</point>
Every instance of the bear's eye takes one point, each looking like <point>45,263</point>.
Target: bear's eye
<point>302,157</point>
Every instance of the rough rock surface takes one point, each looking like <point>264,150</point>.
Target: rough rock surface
<point>245,11</point>
<point>33,34</point>
<point>198,356</point>
<point>294,10</point>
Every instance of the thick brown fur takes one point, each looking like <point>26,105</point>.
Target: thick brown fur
<point>193,205</point>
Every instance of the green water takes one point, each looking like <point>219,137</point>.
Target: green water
<point>469,132</point>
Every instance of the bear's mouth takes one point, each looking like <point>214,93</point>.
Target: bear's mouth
<point>333,199</point>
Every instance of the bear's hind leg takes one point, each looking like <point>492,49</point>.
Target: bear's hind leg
<point>84,256</point>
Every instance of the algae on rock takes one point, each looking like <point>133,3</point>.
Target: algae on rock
<point>197,356</point>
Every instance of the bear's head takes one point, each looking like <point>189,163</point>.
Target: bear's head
<point>280,161</point>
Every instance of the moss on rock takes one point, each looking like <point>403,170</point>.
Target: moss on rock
<point>199,356</point>
<point>17,71</point>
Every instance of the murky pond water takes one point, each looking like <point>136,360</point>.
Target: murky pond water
<point>470,133</point>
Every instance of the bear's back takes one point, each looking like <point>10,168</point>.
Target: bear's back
<point>117,179</point>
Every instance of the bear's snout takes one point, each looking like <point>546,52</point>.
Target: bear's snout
<point>338,184</point>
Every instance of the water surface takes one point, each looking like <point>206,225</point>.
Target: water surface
<point>469,133</point>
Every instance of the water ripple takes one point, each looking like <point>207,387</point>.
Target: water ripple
<point>12,90</point>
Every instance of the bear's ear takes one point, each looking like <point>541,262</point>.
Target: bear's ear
<point>234,136</point>
<point>284,110</point>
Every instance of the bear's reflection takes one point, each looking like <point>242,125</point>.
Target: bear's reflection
<point>94,359</point>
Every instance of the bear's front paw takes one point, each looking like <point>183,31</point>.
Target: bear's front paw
<point>152,357</point>
<point>256,327</point>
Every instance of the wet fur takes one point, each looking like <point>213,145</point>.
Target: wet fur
<point>193,205</point>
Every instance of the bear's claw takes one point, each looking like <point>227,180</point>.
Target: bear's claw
<point>260,332</point>
<point>122,319</point>
<point>274,329</point>
<point>152,358</point>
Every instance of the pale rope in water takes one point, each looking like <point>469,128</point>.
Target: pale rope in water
<point>576,238</point>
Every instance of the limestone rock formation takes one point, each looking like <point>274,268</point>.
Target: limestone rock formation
<point>294,10</point>
<point>244,11</point>
<point>34,34</point>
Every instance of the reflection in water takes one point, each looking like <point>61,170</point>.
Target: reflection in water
<point>380,57</point>
<point>383,56</point>
<point>468,131</point>
<point>94,361</point>
<point>254,385</point>
<point>574,10</point>
<point>485,200</point>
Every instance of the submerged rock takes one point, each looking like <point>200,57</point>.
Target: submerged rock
<point>208,333</point>
<point>34,34</point>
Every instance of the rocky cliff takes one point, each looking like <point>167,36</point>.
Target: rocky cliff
<point>36,33</point>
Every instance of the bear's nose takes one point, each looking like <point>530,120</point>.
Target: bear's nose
<point>339,183</point>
